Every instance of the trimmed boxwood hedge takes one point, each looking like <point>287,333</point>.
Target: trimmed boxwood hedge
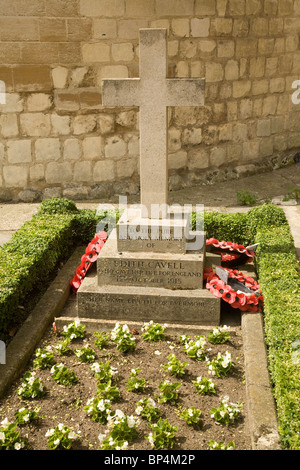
<point>59,226</point>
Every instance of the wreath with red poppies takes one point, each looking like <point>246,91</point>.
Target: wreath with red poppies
<point>90,256</point>
<point>232,254</point>
<point>241,291</point>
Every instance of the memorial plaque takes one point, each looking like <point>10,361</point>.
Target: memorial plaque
<point>166,270</point>
<point>196,306</point>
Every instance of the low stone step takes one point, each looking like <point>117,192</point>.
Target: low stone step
<point>131,303</point>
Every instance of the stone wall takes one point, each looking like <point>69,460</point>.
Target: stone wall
<point>57,139</point>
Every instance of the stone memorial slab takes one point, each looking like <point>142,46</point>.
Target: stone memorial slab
<point>167,270</point>
<point>132,303</point>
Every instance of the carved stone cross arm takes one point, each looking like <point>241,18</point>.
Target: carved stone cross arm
<point>153,92</point>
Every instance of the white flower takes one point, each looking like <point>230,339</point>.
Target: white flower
<point>5,423</point>
<point>158,353</point>
<point>73,435</point>
<point>150,439</point>
<point>60,426</point>
<point>26,418</point>
<point>49,433</point>
<point>56,442</point>
<point>101,437</point>
<point>131,421</point>
<point>17,446</point>
<point>2,436</point>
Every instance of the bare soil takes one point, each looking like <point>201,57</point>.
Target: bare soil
<point>65,405</point>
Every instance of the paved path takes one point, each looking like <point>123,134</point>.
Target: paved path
<point>221,197</point>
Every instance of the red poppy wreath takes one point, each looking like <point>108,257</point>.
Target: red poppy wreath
<point>240,291</point>
<point>89,257</point>
<point>232,254</point>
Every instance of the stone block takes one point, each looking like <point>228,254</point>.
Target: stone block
<point>174,8</point>
<point>167,270</point>
<point>72,149</point>
<point>37,173</point>
<point>197,307</point>
<point>66,101</point>
<point>205,7</point>
<point>79,29</point>
<point>192,136</point>
<point>32,78</point>
<point>7,77</point>
<point>84,124</point>
<point>198,159</point>
<point>82,172</point>
<point>60,77</point>
<point>61,9</point>
<point>217,156</point>
<point>122,52</point>
<point>260,87</point>
<point>47,149</point>
<point>15,176</point>
<point>53,29</point>
<point>69,53</point>
<point>90,99</point>
<point>257,67</point>
<point>270,7</point>
<point>111,71</point>
<point>39,102</point>
<point>221,26</point>
<point>232,70</point>
<point>58,173</point>
<point>177,160</point>
<point>250,150</point>
<point>126,168</point>
<point>35,124</point>
<point>225,48</point>
<point>39,53</point>
<point>106,123</point>
<point>19,151</point>
<point>92,148</point>
<point>246,47</point>
<point>126,119</point>
<point>95,52</point>
<point>102,8</point>
<point>60,124</point>
<point>129,29</point>
<point>181,27</point>
<point>104,171</point>
<point>200,27</point>
<point>104,28</point>
<point>241,88</point>
<point>285,7</point>
<point>78,75</point>
<point>158,235</point>
<point>214,72</point>
<point>142,8</point>
<point>115,147</point>
<point>19,29</point>
<point>9,125</point>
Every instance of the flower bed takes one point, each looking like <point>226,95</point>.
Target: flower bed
<point>140,390</point>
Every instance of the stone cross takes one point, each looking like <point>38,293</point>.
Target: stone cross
<point>153,92</point>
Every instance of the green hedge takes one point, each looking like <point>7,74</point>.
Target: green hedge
<point>279,278</point>
<point>28,259</point>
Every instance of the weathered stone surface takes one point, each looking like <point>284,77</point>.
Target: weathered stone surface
<point>153,112</point>
<point>156,234</point>
<point>196,307</point>
<point>167,270</point>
